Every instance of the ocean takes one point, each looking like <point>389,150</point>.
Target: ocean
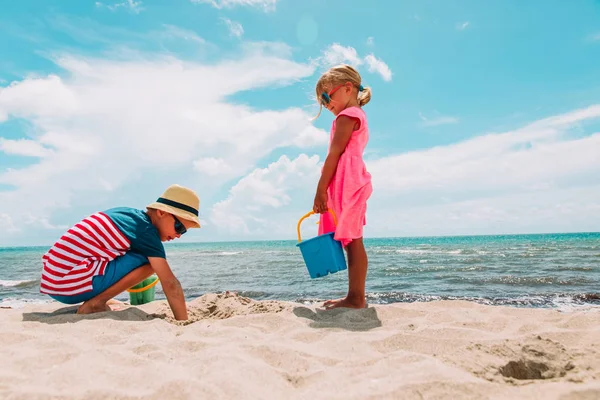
<point>542,270</point>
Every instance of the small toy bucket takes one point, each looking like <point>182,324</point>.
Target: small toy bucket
<point>143,292</point>
<point>322,254</point>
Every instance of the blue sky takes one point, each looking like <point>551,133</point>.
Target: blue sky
<point>484,118</point>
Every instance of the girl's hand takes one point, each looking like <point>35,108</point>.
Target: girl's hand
<point>320,205</point>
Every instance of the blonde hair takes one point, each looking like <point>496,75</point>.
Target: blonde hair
<point>338,75</point>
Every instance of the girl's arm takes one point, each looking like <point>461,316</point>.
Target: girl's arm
<point>344,126</point>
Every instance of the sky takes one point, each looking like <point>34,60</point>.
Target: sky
<point>485,116</point>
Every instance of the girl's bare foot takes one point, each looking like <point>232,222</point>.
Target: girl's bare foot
<point>348,302</point>
<point>91,306</point>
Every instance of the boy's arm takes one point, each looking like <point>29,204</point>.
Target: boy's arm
<point>171,287</point>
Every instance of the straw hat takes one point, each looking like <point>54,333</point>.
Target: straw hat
<point>181,202</point>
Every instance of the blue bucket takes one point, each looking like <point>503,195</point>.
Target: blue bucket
<point>322,254</point>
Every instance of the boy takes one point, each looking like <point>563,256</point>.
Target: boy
<point>111,251</point>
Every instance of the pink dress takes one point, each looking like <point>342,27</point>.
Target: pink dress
<point>350,187</point>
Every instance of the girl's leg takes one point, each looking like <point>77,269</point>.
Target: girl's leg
<point>357,275</point>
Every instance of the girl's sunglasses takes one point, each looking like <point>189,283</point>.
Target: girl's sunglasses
<point>179,227</point>
<point>326,97</point>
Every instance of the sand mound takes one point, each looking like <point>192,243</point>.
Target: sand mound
<point>222,306</point>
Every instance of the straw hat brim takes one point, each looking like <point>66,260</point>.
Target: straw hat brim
<point>188,216</point>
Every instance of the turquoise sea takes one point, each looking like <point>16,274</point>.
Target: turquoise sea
<point>545,270</point>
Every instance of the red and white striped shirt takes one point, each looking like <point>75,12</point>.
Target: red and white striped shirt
<point>81,253</point>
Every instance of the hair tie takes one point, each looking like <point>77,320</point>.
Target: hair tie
<point>360,88</point>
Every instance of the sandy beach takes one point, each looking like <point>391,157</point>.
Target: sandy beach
<point>235,347</point>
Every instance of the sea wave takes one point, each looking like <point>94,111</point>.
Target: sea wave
<point>21,302</point>
<point>219,253</point>
<point>562,301</point>
<point>18,283</point>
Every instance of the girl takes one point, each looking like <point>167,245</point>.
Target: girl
<point>345,184</point>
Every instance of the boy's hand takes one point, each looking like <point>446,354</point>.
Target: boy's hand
<point>171,287</point>
<point>320,204</point>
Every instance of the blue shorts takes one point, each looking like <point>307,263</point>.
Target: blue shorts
<point>114,272</point>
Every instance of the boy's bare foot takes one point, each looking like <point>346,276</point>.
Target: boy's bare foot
<point>91,306</point>
<point>348,302</point>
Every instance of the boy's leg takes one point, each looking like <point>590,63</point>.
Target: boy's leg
<point>114,272</point>
<point>357,275</point>
<point>99,302</point>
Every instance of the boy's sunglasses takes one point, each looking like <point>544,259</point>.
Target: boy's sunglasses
<point>326,97</point>
<point>179,227</point>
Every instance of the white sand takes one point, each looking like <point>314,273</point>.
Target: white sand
<point>243,349</point>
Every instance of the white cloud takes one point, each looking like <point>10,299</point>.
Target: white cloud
<point>338,54</point>
<point>377,65</point>
<point>266,5</point>
<point>26,98</point>
<point>566,209</point>
<point>539,152</point>
<point>437,120</point>
<point>27,223</point>
<point>24,147</point>
<point>274,49</point>
<point>112,132</point>
<point>595,37</point>
<point>132,5</point>
<point>7,225</point>
<point>539,164</point>
<point>185,34</point>
<point>257,204</point>
<point>370,41</point>
<point>34,221</point>
<point>213,166</point>
<point>461,26</point>
<point>537,178</point>
<point>235,28</point>
<point>144,123</point>
<point>120,40</point>
<point>310,137</point>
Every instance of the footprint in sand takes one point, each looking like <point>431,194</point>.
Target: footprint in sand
<point>536,358</point>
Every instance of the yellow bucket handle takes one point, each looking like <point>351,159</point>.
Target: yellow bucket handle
<point>308,214</point>
<point>150,286</point>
